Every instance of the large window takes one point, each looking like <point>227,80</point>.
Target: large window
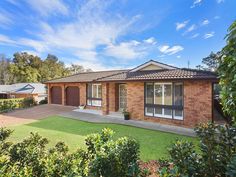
<point>164,100</point>
<point>94,94</point>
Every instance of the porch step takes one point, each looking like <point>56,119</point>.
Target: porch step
<point>90,111</point>
<point>116,114</point>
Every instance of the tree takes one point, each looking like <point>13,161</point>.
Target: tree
<point>25,67</point>
<point>5,75</point>
<point>211,62</point>
<point>227,72</point>
<point>52,68</point>
<point>75,69</point>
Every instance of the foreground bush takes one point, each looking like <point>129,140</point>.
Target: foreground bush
<point>10,104</point>
<point>104,157</point>
<point>44,101</point>
<point>28,102</point>
<point>217,156</point>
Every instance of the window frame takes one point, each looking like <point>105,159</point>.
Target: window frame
<point>92,99</point>
<point>172,107</point>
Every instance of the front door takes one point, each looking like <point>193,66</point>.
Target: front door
<point>122,97</point>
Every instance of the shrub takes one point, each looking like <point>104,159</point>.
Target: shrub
<point>10,104</point>
<point>227,70</point>
<point>112,158</point>
<point>231,168</point>
<point>44,101</point>
<point>104,157</point>
<point>28,102</point>
<point>217,146</point>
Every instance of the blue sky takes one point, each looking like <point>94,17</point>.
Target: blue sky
<point>116,34</point>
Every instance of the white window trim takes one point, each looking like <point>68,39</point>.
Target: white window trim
<point>163,98</point>
<point>172,116</point>
<point>90,100</point>
<point>96,89</point>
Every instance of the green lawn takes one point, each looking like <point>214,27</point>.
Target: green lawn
<point>153,144</point>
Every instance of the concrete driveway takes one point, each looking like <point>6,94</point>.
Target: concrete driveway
<point>32,114</point>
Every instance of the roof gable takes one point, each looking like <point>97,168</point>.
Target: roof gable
<point>152,65</point>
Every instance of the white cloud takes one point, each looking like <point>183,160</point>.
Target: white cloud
<point>48,7</point>
<point>220,1</point>
<point>205,22</point>
<point>5,19</point>
<point>126,50</point>
<point>216,17</point>
<point>191,28</point>
<point>165,49</point>
<point>150,40</point>
<point>178,56</point>
<point>37,45</point>
<point>209,35</point>
<point>98,66</point>
<point>88,55</point>
<point>196,3</point>
<point>31,52</point>
<point>194,36</point>
<point>181,25</point>
<point>6,40</point>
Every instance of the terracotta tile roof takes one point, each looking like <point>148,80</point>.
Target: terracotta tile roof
<point>86,77</point>
<point>126,75</point>
<point>161,74</point>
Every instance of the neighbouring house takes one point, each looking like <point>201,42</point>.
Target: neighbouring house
<point>22,90</point>
<point>152,91</point>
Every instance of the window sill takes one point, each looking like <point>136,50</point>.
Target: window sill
<point>164,118</point>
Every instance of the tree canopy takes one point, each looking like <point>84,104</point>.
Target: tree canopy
<point>5,76</point>
<point>24,67</point>
<point>211,62</point>
<point>227,72</point>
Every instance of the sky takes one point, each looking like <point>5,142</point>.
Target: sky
<point>111,34</point>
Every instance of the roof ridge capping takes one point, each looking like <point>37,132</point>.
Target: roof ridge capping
<point>153,62</point>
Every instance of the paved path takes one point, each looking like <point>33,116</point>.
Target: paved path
<point>142,124</point>
<point>28,115</point>
<point>42,111</point>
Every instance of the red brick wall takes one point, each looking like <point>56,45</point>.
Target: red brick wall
<point>105,98</point>
<point>112,97</point>
<point>197,103</point>
<point>135,99</point>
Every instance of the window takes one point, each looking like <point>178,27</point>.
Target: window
<point>94,94</point>
<point>164,100</point>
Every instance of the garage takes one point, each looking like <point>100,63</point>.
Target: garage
<point>72,96</point>
<point>56,95</point>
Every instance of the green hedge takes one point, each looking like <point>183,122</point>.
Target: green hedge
<point>10,104</point>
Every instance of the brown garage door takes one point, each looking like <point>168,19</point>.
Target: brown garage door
<point>72,96</point>
<point>56,95</point>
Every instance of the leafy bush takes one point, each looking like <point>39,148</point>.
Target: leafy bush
<point>231,168</point>
<point>104,157</point>
<point>44,101</point>
<point>217,146</point>
<point>28,102</point>
<point>227,70</point>
<point>10,104</point>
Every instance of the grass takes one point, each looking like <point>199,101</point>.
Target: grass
<point>153,144</point>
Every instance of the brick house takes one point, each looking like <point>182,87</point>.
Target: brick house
<point>152,91</point>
